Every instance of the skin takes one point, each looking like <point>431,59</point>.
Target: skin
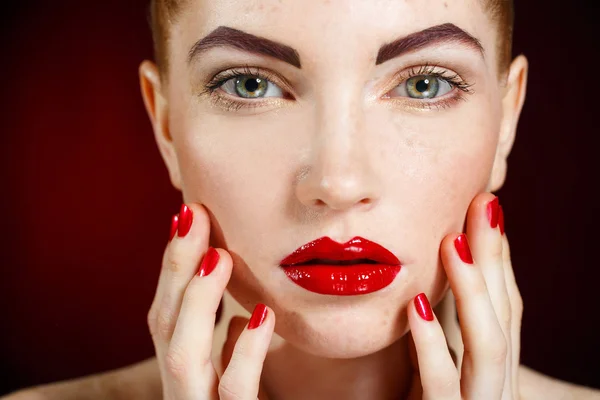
<point>337,161</point>
<point>340,159</point>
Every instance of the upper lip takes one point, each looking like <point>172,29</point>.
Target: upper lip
<point>325,249</point>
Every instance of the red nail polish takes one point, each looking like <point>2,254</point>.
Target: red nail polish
<point>258,316</point>
<point>174,223</point>
<point>209,262</point>
<point>501,219</point>
<point>423,307</point>
<point>492,212</point>
<point>185,221</point>
<point>462,248</point>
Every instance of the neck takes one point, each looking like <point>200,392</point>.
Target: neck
<point>290,373</point>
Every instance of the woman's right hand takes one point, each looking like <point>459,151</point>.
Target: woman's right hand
<point>182,318</point>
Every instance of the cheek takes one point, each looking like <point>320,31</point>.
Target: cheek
<point>439,162</point>
<point>243,173</point>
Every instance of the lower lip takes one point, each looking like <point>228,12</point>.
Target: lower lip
<point>346,280</point>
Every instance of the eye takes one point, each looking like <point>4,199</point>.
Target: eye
<point>251,87</point>
<point>422,87</point>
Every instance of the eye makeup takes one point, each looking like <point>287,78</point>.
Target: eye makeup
<point>213,89</point>
<point>419,74</point>
<point>459,88</point>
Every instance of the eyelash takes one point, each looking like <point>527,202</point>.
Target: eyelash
<point>230,104</point>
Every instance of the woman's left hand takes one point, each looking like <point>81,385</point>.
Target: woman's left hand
<point>489,308</point>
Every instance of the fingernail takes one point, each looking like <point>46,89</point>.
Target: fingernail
<point>423,307</point>
<point>209,262</point>
<point>462,248</point>
<point>185,220</point>
<point>492,212</point>
<point>258,316</point>
<point>501,219</point>
<point>174,223</point>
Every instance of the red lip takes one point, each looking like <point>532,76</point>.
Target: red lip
<point>325,266</point>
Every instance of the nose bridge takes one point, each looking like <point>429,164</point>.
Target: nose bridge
<point>339,174</point>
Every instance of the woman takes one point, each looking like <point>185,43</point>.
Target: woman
<point>352,140</point>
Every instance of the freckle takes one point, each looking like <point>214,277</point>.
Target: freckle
<point>445,4</point>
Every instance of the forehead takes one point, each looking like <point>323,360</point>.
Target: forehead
<point>316,27</point>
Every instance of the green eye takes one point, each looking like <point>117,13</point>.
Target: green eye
<point>250,86</point>
<point>423,87</point>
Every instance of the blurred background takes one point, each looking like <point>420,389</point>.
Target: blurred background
<point>86,202</point>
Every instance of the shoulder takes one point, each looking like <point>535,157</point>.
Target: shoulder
<point>537,386</point>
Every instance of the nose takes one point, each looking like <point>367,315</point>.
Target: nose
<point>339,173</point>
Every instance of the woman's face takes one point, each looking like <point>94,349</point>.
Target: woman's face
<point>346,139</point>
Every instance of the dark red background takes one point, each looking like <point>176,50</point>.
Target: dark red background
<point>86,201</point>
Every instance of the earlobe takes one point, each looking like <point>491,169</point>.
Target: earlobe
<point>158,112</point>
<point>512,104</point>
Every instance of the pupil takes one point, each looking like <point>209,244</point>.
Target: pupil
<point>422,85</point>
<point>251,85</point>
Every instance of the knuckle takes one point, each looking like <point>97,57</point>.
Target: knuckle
<point>163,325</point>
<point>176,363</point>
<point>497,351</point>
<point>517,305</point>
<point>173,259</point>
<point>496,251</point>
<point>151,319</point>
<point>479,289</point>
<point>505,313</point>
<point>173,263</point>
<point>444,387</point>
<point>228,390</point>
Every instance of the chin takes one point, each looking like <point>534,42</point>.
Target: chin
<point>330,326</point>
<point>352,333</point>
<point>337,326</point>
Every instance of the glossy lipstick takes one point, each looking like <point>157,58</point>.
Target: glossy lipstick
<point>325,266</point>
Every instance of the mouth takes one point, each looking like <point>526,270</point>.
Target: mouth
<point>356,267</point>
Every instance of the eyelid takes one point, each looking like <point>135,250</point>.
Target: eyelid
<point>447,74</point>
<point>223,76</point>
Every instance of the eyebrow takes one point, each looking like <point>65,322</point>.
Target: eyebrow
<point>224,36</point>
<point>440,34</point>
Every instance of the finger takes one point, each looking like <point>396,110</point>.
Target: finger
<point>161,277</point>
<point>516,306</point>
<point>485,240</point>
<point>241,380</point>
<point>484,227</point>
<point>188,360</point>
<point>439,377</point>
<point>483,366</point>
<point>180,263</point>
<point>236,326</point>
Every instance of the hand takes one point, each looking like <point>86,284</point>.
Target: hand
<point>489,308</point>
<point>182,319</point>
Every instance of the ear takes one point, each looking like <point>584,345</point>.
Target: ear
<point>512,104</point>
<point>158,111</point>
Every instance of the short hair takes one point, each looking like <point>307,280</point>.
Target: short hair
<point>163,13</point>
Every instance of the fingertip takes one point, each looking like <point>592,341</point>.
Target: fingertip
<point>423,307</point>
<point>479,210</point>
<point>193,217</point>
<point>224,262</point>
<point>259,315</point>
